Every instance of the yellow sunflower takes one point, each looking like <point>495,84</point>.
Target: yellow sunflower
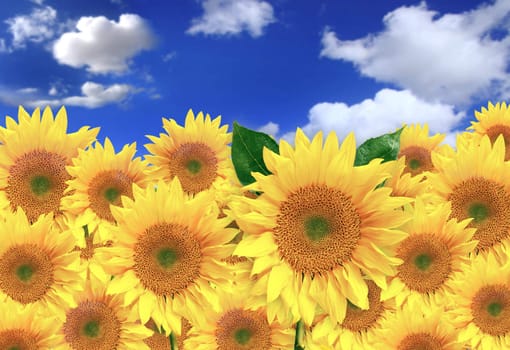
<point>416,146</point>
<point>417,327</point>
<point>100,321</point>
<point>100,177</point>
<point>22,328</point>
<point>481,303</point>
<point>493,122</point>
<point>160,340</point>
<point>237,326</point>
<point>432,254</point>
<point>34,154</point>
<point>403,183</point>
<point>318,224</point>
<point>198,153</point>
<point>476,180</point>
<point>171,247</point>
<point>37,266</point>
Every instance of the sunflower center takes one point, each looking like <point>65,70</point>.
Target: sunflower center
<point>18,339</point>
<point>26,273</point>
<point>427,262</point>
<point>36,183</point>
<point>418,159</point>
<point>106,188</point>
<point>420,341</point>
<point>490,309</point>
<point>167,258</point>
<point>496,130</point>
<point>196,166</point>
<point>316,228</point>
<point>486,201</point>
<point>320,226</point>
<point>359,320</point>
<point>239,328</point>
<point>92,325</point>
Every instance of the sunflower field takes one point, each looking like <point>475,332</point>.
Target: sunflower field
<point>230,240</point>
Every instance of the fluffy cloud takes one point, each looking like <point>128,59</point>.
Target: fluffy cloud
<point>38,26</point>
<point>448,58</point>
<point>387,111</point>
<point>230,17</point>
<point>270,128</point>
<point>102,45</point>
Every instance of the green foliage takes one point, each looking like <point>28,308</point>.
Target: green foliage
<point>385,146</point>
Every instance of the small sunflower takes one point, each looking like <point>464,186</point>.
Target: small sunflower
<point>493,122</point>
<point>403,183</point>
<point>481,303</point>
<point>100,321</point>
<point>171,247</point>
<point>160,340</point>
<point>100,177</point>
<point>476,180</point>
<point>432,254</point>
<point>22,328</point>
<point>416,327</point>
<point>37,266</point>
<point>33,157</point>
<point>416,146</point>
<point>318,224</point>
<point>198,153</point>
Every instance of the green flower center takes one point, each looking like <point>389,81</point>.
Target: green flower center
<point>40,185</point>
<point>242,336</point>
<point>166,257</point>
<point>14,348</point>
<point>423,261</point>
<point>478,212</point>
<point>91,329</point>
<point>24,272</point>
<point>414,164</point>
<point>193,166</point>
<point>494,308</point>
<point>316,228</point>
<point>111,194</point>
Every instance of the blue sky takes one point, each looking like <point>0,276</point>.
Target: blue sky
<point>364,66</point>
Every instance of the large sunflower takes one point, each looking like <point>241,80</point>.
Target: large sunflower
<point>493,122</point>
<point>171,247</point>
<point>37,266</point>
<point>198,153</point>
<point>318,224</point>
<point>100,178</point>
<point>101,322</point>
<point>22,328</point>
<point>481,303</point>
<point>34,154</point>
<point>432,254</point>
<point>476,180</point>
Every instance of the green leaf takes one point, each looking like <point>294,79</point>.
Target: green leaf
<point>385,146</point>
<point>247,146</point>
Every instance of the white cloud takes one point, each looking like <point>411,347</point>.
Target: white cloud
<point>169,56</point>
<point>230,17</point>
<point>28,90</point>
<point>102,45</point>
<point>386,112</point>
<point>270,128</point>
<point>53,91</point>
<point>37,2</point>
<point>38,26</point>
<point>449,58</point>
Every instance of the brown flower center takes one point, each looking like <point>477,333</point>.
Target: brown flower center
<point>18,339</point>
<point>418,160</point>
<point>420,341</point>
<point>243,329</point>
<point>490,308</point>
<point>358,320</point>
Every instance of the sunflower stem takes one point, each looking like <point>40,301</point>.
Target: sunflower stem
<point>298,342</point>
<point>173,341</point>
<point>86,230</point>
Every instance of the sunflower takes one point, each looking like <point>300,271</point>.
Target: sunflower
<point>101,321</point>
<point>171,247</point>
<point>100,177</point>
<point>432,254</point>
<point>416,327</point>
<point>198,153</point>
<point>476,180</point>
<point>481,295</point>
<point>493,122</point>
<point>416,146</point>
<point>33,157</point>
<point>318,224</point>
<point>23,328</point>
<point>37,266</point>
<point>359,329</point>
<point>236,325</point>
<point>162,341</point>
